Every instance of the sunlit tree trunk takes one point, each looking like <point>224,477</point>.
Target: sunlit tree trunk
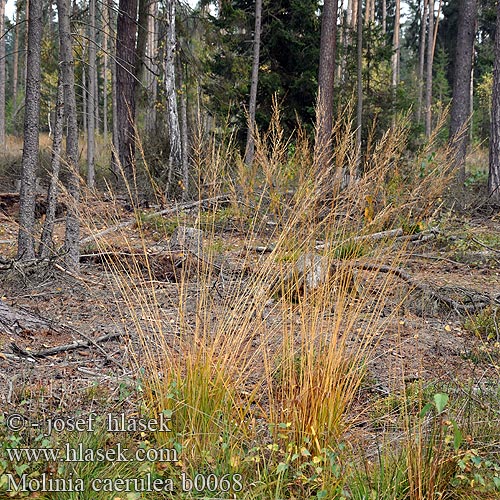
<point>72,236</point>
<point>250,147</point>
<point>26,241</point>
<point>494,164</point>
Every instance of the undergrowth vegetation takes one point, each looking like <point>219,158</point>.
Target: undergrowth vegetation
<point>260,365</point>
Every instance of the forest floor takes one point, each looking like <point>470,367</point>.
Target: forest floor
<point>422,343</point>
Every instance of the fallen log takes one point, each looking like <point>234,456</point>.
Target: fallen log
<point>167,211</point>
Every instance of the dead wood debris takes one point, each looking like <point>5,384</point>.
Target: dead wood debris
<point>216,200</point>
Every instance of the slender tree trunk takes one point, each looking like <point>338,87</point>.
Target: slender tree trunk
<point>142,38</point>
<point>125,90</point>
<point>3,83</point>
<point>494,166</point>
<point>26,34</point>
<point>384,16</point>
<point>46,243</point>
<point>152,78</point>
<point>91,101</point>
<point>26,241</point>
<point>175,153</point>
<point>15,63</point>
<point>250,147</point>
<point>359,110</point>
<point>428,81</point>
<point>184,135</point>
<point>85,96</point>
<point>421,59</point>
<point>324,118</point>
<point>72,236</point>
<point>114,100</point>
<point>460,106</point>
<point>396,47</point>
<point>105,47</point>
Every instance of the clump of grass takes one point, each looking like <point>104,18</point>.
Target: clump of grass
<point>484,324</point>
<point>259,385</point>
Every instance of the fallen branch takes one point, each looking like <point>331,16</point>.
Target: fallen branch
<point>167,211</point>
<point>426,289</point>
<point>63,348</point>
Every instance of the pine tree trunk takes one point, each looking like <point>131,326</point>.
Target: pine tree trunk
<point>105,62</point>
<point>114,100</point>
<point>152,83</point>
<point>494,166</point>
<point>26,241</point>
<point>396,47</point>
<point>84,97</point>
<point>460,106</point>
<point>72,236</point>
<point>324,118</point>
<point>126,33</point>
<point>26,37</point>
<point>384,16</point>
<point>174,134</point>
<point>184,135</point>
<point>421,60</point>
<point>46,243</point>
<point>250,146</point>
<point>359,69</point>
<point>428,81</point>
<point>15,62</point>
<point>3,75</point>
<point>91,101</point>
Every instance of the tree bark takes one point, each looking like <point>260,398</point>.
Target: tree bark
<point>359,110</point>
<point>250,146</point>
<point>175,152</point>
<point>46,244</point>
<point>421,60</point>
<point>91,100</point>
<point>114,100</point>
<point>15,62</point>
<point>384,16</point>
<point>324,118</point>
<point>494,159</point>
<point>428,80</point>
<point>72,236</point>
<point>460,106</point>
<point>152,83</point>
<point>26,241</point>
<point>184,136</point>
<point>126,33</point>
<point>396,47</point>
<point>3,82</point>
<point>142,38</point>
<point>105,63</point>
